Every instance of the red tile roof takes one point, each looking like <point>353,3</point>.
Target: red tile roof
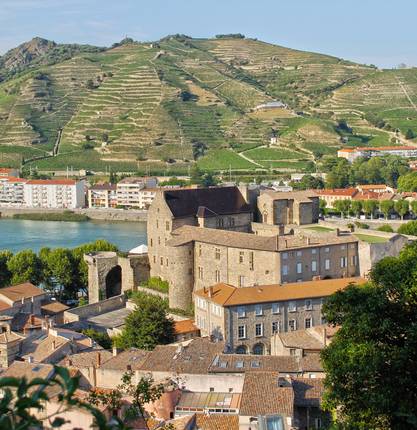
<point>184,326</point>
<point>51,182</point>
<point>338,192</point>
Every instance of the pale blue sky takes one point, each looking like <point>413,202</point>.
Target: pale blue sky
<point>383,32</point>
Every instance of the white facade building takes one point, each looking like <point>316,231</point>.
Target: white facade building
<point>136,192</point>
<point>12,190</point>
<point>351,154</point>
<point>60,193</point>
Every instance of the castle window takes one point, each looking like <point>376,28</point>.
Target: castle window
<point>166,262</point>
<point>162,261</point>
<point>200,273</point>
<point>241,256</point>
<point>326,249</point>
<point>199,250</point>
<point>157,223</point>
<point>241,332</point>
<point>217,253</point>
<point>275,327</point>
<point>259,330</point>
<point>241,312</point>
<point>343,262</point>
<point>167,225</point>
<point>299,268</point>
<point>159,240</point>
<point>292,325</point>
<point>217,275</point>
<point>314,266</point>
<point>151,242</point>
<point>284,255</point>
<point>241,281</point>
<point>314,251</point>
<point>251,264</point>
<point>307,323</point>
<point>220,222</point>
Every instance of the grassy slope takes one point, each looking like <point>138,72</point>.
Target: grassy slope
<point>154,103</point>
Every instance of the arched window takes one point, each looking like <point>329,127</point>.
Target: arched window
<point>241,349</point>
<point>259,349</point>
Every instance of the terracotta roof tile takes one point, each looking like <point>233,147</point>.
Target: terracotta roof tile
<point>185,326</point>
<point>349,192</point>
<point>51,182</point>
<point>227,295</point>
<point>217,422</point>
<point>132,357</point>
<point>21,291</point>
<point>262,395</point>
<point>86,359</point>
<point>55,307</point>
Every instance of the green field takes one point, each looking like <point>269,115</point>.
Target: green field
<point>371,239</point>
<point>320,229</point>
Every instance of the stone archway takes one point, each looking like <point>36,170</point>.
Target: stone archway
<point>259,349</point>
<point>113,282</point>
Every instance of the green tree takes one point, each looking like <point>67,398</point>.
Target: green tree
<point>409,228</point>
<point>196,175</point>
<point>409,134</point>
<point>5,273</point>
<point>408,182</point>
<point>308,182</point>
<point>371,362</point>
<point>25,266</point>
<point>369,207</point>
<point>62,272</point>
<point>342,206</point>
<point>386,228</point>
<point>356,207</point>
<point>386,206</point>
<point>413,205</point>
<point>148,325</point>
<point>322,205</point>
<point>401,207</point>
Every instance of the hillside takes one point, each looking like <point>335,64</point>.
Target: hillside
<point>163,106</point>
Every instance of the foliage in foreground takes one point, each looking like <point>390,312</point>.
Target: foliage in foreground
<point>372,362</point>
<point>22,403</point>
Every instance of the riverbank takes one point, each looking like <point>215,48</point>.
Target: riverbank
<point>59,214</point>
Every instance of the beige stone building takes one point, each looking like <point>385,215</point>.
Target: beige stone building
<point>247,318</point>
<point>298,207</point>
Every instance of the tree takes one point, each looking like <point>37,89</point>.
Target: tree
<point>371,362</point>
<point>409,228</point>
<point>22,406</point>
<point>409,134</point>
<point>5,274</point>
<point>102,338</point>
<point>369,207</point>
<point>148,325</point>
<point>196,175</point>
<point>401,207</point>
<point>356,207</point>
<point>60,266</point>
<point>386,206</point>
<point>408,182</point>
<point>413,205</point>
<point>308,182</point>
<point>322,206</point>
<point>25,266</point>
<point>342,206</point>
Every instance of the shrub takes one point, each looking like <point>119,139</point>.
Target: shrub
<point>387,228</point>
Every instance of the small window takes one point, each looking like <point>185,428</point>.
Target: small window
<point>343,262</point>
<point>241,312</point>
<point>241,332</point>
<point>166,262</point>
<point>167,225</point>
<point>199,250</point>
<point>285,255</point>
<point>343,247</point>
<point>299,267</point>
<point>200,273</point>
<point>314,251</point>
<point>292,325</point>
<point>217,275</point>
<point>159,240</point>
<point>217,254</point>
<point>292,306</point>
<point>258,310</point>
<point>241,281</point>
<point>240,364</point>
<point>284,270</point>
<point>275,327</point>
<point>275,308</point>
<point>327,249</point>
<point>307,323</point>
<point>314,266</point>
<point>162,261</point>
<point>259,329</point>
<point>251,264</point>
<point>255,364</point>
<point>151,242</point>
<point>308,305</point>
<point>327,264</point>
<point>241,256</point>
<point>299,253</point>
<point>354,260</point>
<point>157,224</point>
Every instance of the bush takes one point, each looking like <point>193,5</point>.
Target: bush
<point>408,228</point>
<point>103,339</point>
<point>387,228</point>
<point>156,284</point>
<point>362,225</point>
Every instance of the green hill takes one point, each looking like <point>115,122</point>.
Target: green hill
<point>166,105</point>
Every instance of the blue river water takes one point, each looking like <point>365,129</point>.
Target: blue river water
<point>16,235</point>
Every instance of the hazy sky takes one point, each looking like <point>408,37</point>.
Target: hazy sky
<point>382,32</point>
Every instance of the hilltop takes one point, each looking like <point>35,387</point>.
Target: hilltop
<point>177,101</point>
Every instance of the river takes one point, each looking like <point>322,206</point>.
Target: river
<point>16,235</point>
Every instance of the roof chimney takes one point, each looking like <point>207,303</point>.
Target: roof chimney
<point>30,359</point>
<point>338,231</point>
<point>128,367</point>
<point>53,345</point>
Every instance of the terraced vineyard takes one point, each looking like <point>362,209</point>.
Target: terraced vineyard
<point>166,105</point>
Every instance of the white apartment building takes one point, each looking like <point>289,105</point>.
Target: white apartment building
<point>60,193</point>
<point>11,190</point>
<point>351,154</point>
<point>102,196</point>
<point>136,192</point>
